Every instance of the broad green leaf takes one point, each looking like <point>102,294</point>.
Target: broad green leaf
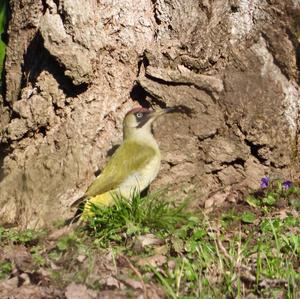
<point>270,200</point>
<point>253,201</point>
<point>295,203</point>
<point>248,217</point>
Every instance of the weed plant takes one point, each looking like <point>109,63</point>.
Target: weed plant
<point>139,215</point>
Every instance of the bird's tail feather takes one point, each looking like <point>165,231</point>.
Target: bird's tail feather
<point>79,205</point>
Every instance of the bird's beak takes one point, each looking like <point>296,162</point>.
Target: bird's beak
<point>169,110</point>
<point>157,113</point>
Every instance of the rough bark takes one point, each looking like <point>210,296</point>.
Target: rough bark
<point>74,68</point>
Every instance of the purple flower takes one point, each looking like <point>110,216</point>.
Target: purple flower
<point>287,184</point>
<point>264,182</point>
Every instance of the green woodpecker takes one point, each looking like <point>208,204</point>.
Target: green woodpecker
<point>133,166</point>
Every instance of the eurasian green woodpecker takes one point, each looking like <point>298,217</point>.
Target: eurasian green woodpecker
<point>133,166</point>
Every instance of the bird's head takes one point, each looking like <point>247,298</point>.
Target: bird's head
<point>138,121</point>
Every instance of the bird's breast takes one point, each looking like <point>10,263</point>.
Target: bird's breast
<point>141,179</point>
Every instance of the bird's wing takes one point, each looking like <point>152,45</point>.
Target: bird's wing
<point>129,158</point>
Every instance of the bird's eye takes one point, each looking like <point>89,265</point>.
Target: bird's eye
<point>139,115</point>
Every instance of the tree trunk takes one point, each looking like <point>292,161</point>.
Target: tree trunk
<point>73,69</point>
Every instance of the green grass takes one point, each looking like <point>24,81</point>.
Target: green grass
<point>139,216</point>
<point>25,237</point>
<point>212,263</point>
<point>246,249</point>
<point>235,254</point>
<point>5,269</point>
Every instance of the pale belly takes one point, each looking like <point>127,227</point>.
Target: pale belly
<point>140,180</point>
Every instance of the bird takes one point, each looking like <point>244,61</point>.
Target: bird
<point>132,167</point>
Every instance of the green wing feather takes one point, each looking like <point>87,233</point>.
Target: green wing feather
<point>129,158</point>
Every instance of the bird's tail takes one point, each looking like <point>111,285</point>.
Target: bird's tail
<point>77,207</point>
<point>85,207</point>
